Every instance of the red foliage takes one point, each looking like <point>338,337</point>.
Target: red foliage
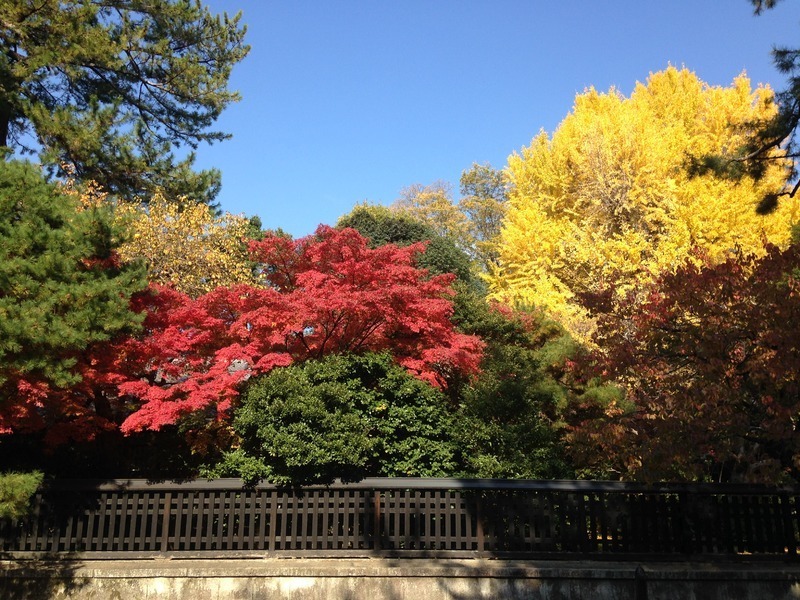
<point>75,413</point>
<point>709,359</point>
<point>327,293</point>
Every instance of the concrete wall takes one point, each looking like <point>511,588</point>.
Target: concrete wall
<point>400,579</point>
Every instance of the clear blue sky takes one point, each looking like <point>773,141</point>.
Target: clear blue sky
<point>349,101</point>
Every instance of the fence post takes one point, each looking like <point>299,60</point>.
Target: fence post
<point>377,525</point>
<point>165,522</point>
<point>479,524</point>
<point>788,524</point>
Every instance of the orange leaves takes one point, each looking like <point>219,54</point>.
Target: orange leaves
<point>709,359</point>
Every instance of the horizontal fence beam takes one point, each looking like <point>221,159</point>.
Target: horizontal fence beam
<point>435,483</point>
<point>408,517</point>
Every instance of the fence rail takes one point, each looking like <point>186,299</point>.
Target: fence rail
<point>413,517</point>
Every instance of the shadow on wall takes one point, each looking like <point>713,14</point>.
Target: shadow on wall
<point>50,576</point>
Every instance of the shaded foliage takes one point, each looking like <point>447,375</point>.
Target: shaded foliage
<point>708,361</point>
<point>16,491</point>
<point>508,421</point>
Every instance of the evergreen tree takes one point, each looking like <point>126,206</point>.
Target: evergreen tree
<point>107,90</point>
<point>348,416</point>
<point>61,292</point>
<point>770,141</point>
<point>383,225</point>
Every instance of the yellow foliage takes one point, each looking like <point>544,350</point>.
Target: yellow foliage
<point>186,244</point>
<point>434,206</point>
<point>608,197</point>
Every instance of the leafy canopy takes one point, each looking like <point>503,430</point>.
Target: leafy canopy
<point>186,244</point>
<point>381,226</point>
<point>508,421</point>
<point>473,222</point>
<point>62,293</point>
<point>325,294</point>
<point>609,197</point>
<point>707,361</point>
<point>108,90</point>
<point>345,416</point>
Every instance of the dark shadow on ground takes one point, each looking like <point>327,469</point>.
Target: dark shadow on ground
<point>41,579</point>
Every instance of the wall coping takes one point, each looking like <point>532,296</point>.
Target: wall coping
<point>401,568</point>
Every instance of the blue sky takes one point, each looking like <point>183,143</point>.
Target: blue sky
<point>350,101</point>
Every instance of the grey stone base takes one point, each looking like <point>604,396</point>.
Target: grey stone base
<point>392,579</point>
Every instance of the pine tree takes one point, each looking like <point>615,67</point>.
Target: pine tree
<point>61,291</point>
<point>110,89</point>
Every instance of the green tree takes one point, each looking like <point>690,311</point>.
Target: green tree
<point>108,90</point>
<point>508,419</point>
<point>345,416</point>
<point>16,491</point>
<point>383,226</point>
<point>61,291</point>
<point>769,141</point>
<point>484,192</point>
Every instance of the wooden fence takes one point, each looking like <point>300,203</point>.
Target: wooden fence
<point>407,517</point>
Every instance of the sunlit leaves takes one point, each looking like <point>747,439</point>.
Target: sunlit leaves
<point>63,295</point>
<point>324,294</point>
<point>608,196</point>
<point>108,90</point>
<point>185,244</point>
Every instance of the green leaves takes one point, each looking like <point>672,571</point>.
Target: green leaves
<point>111,90</point>
<point>61,290</point>
<point>16,490</point>
<point>345,417</point>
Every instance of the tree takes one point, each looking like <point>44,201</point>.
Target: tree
<point>110,89</point>
<point>63,294</point>
<point>328,293</point>
<point>433,205</point>
<point>707,363</point>
<point>507,417</point>
<point>16,491</point>
<point>484,192</point>
<point>186,244</point>
<point>381,226</point>
<point>508,421</point>
<point>609,196</point>
<point>473,222</point>
<point>767,140</point>
<point>344,416</point>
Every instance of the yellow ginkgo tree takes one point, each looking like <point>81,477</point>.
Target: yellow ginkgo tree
<point>186,244</point>
<point>609,195</point>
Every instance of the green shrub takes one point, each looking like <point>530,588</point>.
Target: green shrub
<point>16,490</point>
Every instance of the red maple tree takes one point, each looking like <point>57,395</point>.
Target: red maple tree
<point>325,293</point>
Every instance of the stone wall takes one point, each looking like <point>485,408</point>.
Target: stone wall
<point>400,579</point>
